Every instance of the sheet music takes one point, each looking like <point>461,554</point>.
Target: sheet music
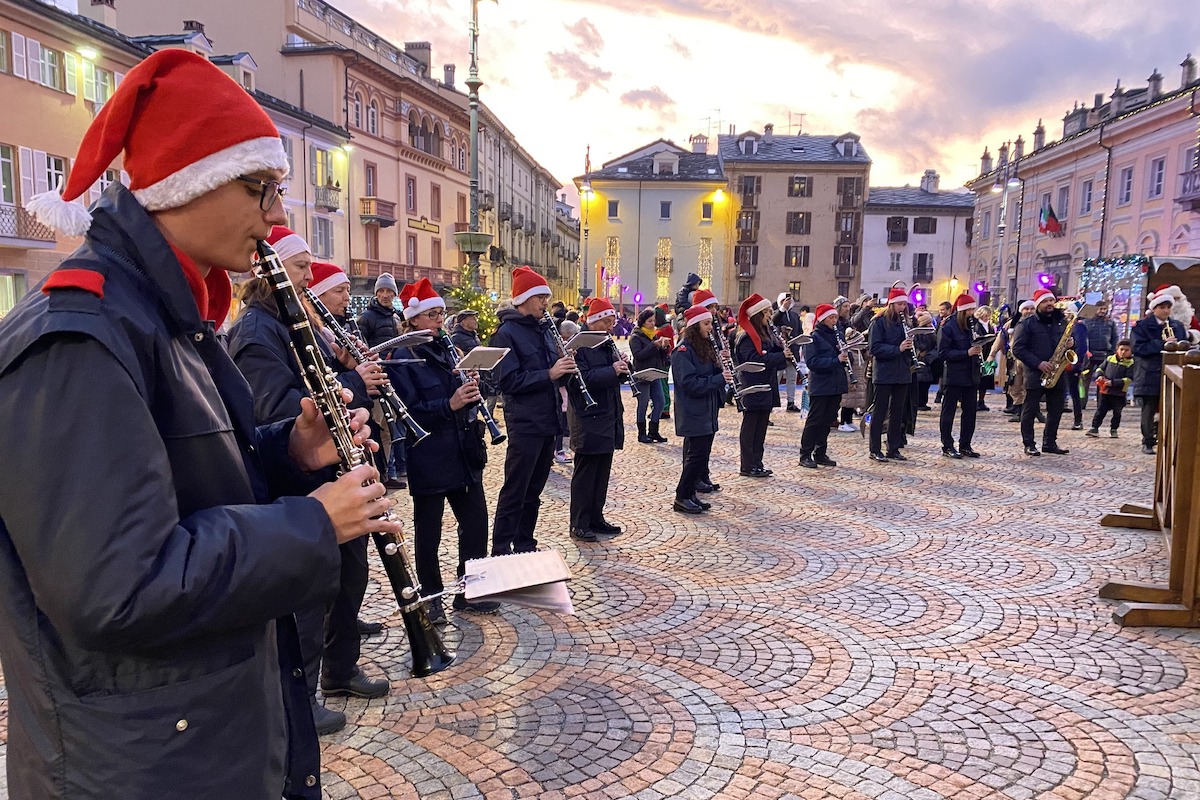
<point>536,580</point>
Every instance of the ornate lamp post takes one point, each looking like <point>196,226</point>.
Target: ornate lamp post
<point>585,198</point>
<point>471,241</point>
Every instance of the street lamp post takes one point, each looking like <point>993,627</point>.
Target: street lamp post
<point>585,197</point>
<point>472,242</point>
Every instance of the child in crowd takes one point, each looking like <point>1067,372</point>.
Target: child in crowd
<point>1113,386</point>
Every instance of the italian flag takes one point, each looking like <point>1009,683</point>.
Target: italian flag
<point>1048,222</point>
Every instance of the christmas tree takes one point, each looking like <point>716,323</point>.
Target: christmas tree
<point>466,296</point>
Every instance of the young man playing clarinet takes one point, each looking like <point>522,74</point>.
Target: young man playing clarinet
<point>527,378</point>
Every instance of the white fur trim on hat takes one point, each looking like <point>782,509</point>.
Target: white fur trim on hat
<point>759,307</point>
<point>830,313</point>
<point>698,318</point>
<point>1028,304</point>
<point>1165,296</point>
<point>608,312</point>
<point>971,306</point>
<point>291,245</point>
<point>213,171</point>
<point>416,306</point>
<point>333,281</point>
<point>532,292</point>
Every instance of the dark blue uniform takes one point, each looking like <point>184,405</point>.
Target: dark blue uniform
<point>827,382</point>
<point>960,382</point>
<point>1147,340</point>
<point>699,391</point>
<point>596,433</point>
<point>752,436</point>
<point>891,374</point>
<point>1034,341</point>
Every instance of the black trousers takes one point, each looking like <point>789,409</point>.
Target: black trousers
<point>527,465</point>
<point>470,511</point>
<point>967,398</point>
<point>1095,370</point>
<point>1150,404</point>
<point>696,451</point>
<point>329,640</point>
<point>822,415</point>
<point>1105,403</point>
<point>1056,400</point>
<point>589,488</point>
<point>891,404</point>
<point>922,398</point>
<point>752,438</point>
<point>1077,404</point>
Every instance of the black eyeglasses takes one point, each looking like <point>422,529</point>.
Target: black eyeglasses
<point>271,191</point>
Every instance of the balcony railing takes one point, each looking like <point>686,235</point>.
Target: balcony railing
<point>487,201</point>
<point>518,220</point>
<point>373,211</point>
<point>17,223</point>
<point>921,275</point>
<point>844,271</point>
<point>370,269</point>
<point>747,235</point>
<point>327,198</point>
<point>506,211</point>
<point>897,237</point>
<point>1189,196</point>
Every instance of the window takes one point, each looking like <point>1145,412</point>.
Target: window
<point>287,148</point>
<point>56,171</point>
<point>358,109</point>
<point>1045,201</point>
<point>897,230</point>
<point>410,249</point>
<point>706,211</point>
<point>843,288</point>
<point>1189,160</point>
<point>795,255</point>
<point>922,267</point>
<point>1125,187</point>
<point>794,289</point>
<point>12,289</point>
<point>664,209</point>
<point>987,224</point>
<point>1158,174</point>
<point>435,254</point>
<point>925,225</point>
<point>8,192</point>
<point>800,186</point>
<point>1064,202</point>
<point>3,51</point>
<point>435,202</point>
<point>750,184</point>
<point>462,158</point>
<point>322,237</point>
<point>613,206</point>
<point>373,117</point>
<point>799,222</point>
<point>894,263</point>
<point>320,166</point>
<point>410,197</point>
<point>369,180</point>
<point>744,257</point>
<point>98,83</point>
<point>372,232</point>
<point>1085,197</point>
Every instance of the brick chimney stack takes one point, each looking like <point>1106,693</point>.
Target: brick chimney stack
<point>448,75</point>
<point>103,11</point>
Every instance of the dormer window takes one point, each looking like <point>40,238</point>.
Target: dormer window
<point>666,164</point>
<point>247,80</point>
<point>749,146</point>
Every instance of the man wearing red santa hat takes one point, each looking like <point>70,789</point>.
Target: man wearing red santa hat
<point>1034,342</point>
<point>148,638</point>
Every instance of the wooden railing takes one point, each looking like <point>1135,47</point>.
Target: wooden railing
<point>1174,509</point>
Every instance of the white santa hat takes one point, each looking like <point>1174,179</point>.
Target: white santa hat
<point>420,297</point>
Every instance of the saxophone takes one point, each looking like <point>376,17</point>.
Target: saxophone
<point>1063,356</point>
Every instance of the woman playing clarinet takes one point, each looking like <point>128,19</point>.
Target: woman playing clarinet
<point>754,343</point>
<point>892,351</point>
<point>960,377</point>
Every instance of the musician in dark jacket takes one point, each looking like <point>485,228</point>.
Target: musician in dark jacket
<point>378,322</point>
<point>528,380</point>
<point>597,432</point>
<point>891,374</point>
<point>450,459</point>
<point>754,343</point>
<point>961,364</point>
<point>700,384</point>
<point>925,348</point>
<point>147,632</point>
<point>787,320</point>
<point>1034,343</point>
<point>1149,334</point>
<point>649,352</point>
<point>827,382</point>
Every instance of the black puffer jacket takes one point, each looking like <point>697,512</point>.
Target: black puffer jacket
<point>531,398</point>
<point>600,429</point>
<point>377,323</point>
<point>1035,340</point>
<point>890,364</point>
<point>958,368</point>
<point>826,374</point>
<point>699,392</point>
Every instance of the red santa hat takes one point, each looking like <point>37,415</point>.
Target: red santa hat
<point>326,276</point>
<point>598,309</point>
<point>703,297</point>
<point>1042,294</point>
<point>186,128</point>
<point>964,302</point>
<point>526,284</point>
<point>825,310</point>
<point>1162,295</point>
<point>696,314</point>
<point>754,304</point>
<point>420,297</point>
<point>287,243</point>
<point>897,295</point>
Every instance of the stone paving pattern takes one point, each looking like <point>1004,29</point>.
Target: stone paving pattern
<point>903,632</point>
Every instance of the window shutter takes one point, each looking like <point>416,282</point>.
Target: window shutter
<point>41,181</point>
<point>312,164</point>
<point>117,78</point>
<point>69,71</point>
<point>125,178</point>
<point>33,51</point>
<point>89,81</point>
<point>18,55</point>
<point>25,155</point>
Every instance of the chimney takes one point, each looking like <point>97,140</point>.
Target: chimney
<point>1002,155</point>
<point>420,52</point>
<point>699,143</point>
<point>448,75</point>
<point>768,133</point>
<point>1099,100</point>
<point>192,26</point>
<point>1019,148</point>
<point>1155,80</point>
<point>985,163</point>
<point>102,11</point>
<point>1039,136</point>
<point>1188,64</point>
<point>929,181</point>
<point>1118,101</point>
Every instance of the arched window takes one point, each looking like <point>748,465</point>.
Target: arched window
<point>453,152</point>
<point>435,144</point>
<point>358,110</point>
<point>462,158</point>
<point>414,131</point>
<point>373,118</point>
<point>426,137</point>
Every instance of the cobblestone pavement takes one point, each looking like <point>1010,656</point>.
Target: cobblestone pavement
<point>920,630</point>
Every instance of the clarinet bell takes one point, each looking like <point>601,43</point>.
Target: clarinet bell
<point>418,433</point>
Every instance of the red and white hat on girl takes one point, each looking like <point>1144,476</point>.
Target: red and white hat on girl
<point>696,314</point>
<point>754,304</point>
<point>526,284</point>
<point>703,297</point>
<point>287,243</point>
<point>186,129</point>
<point>964,302</point>
<point>420,297</point>
<point>1042,294</point>
<point>897,295</point>
<point>599,308</point>
<point>825,310</point>
<point>326,276</point>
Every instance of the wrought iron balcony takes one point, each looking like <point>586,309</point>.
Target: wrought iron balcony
<point>327,198</point>
<point>18,224</point>
<point>1189,196</point>
<point>897,237</point>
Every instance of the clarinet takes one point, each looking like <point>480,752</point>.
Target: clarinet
<point>627,377</point>
<point>787,350</point>
<point>727,362</point>
<point>498,436</point>
<point>577,376</point>
<point>429,653</point>
<point>395,412</point>
<point>842,348</point>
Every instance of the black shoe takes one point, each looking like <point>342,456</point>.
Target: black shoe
<point>654,434</point>
<point>703,505</point>
<point>395,483</point>
<point>584,535</point>
<point>968,452</point>
<point>357,685</point>
<point>644,439</point>
<point>950,452</point>
<point>1055,449</point>
<point>706,487</point>
<point>606,527</point>
<point>1078,426</point>
<point>1041,418</point>
<point>924,408</point>
<point>369,628</point>
<point>754,473</point>
<point>808,462</point>
<point>1093,433</point>
<point>825,461</point>
<point>982,407</point>
<point>1030,450</point>
<point>896,455</point>
<point>792,407</point>
<point>326,720</point>
<point>475,606</point>
<point>764,469</point>
<point>716,487</point>
<point>878,456</point>
<point>1148,449</point>
<point>657,439</point>
<point>686,506</point>
<point>770,424</point>
<point>435,612</point>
